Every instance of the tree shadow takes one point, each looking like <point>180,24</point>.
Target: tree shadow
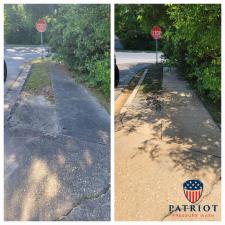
<point>176,117</point>
<point>52,174</point>
<point>48,173</point>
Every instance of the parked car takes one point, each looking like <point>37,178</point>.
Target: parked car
<point>117,74</point>
<point>5,71</point>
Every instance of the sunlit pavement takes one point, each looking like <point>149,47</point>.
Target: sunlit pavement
<point>16,57</point>
<point>129,63</point>
<point>136,57</point>
<point>158,149</point>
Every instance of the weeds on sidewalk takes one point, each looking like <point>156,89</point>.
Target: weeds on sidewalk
<point>152,86</point>
<point>153,79</point>
<point>39,81</point>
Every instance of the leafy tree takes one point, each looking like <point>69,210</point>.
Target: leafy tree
<point>191,39</point>
<point>134,22</point>
<point>79,35</point>
<point>20,20</point>
<point>192,43</point>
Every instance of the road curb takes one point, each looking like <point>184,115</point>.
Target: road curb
<point>133,94</point>
<point>11,96</point>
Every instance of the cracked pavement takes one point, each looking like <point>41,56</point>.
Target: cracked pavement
<point>57,156</point>
<point>158,150</point>
<point>81,211</point>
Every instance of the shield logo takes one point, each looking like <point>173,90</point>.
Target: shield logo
<point>193,190</point>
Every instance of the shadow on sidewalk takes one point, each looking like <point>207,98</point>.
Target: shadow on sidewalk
<point>178,126</point>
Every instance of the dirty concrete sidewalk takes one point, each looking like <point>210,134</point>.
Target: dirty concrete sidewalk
<point>159,148</point>
<point>57,155</point>
<point>79,113</point>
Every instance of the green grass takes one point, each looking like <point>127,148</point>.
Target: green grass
<point>39,81</point>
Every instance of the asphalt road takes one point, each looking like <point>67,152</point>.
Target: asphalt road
<point>129,63</point>
<point>16,57</point>
<point>130,57</point>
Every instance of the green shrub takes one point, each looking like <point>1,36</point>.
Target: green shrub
<point>99,74</point>
<point>80,36</point>
<point>192,43</point>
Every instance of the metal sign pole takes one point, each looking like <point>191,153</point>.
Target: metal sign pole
<point>42,46</point>
<point>156,46</point>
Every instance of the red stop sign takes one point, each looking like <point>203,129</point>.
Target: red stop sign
<point>156,32</point>
<point>41,25</point>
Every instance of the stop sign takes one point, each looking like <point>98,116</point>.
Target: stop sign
<point>156,32</point>
<point>41,25</point>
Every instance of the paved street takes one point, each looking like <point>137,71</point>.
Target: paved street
<point>129,63</point>
<point>164,139</point>
<point>130,57</point>
<point>57,155</point>
<point>16,57</point>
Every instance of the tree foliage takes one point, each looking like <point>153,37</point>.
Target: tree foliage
<point>191,39</point>
<point>79,35</point>
<point>133,24</point>
<point>20,20</point>
<point>192,43</point>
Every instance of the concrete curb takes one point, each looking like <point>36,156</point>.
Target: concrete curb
<point>14,91</point>
<point>133,94</point>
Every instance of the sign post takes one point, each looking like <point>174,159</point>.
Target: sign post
<point>156,33</point>
<point>156,49</point>
<point>41,27</point>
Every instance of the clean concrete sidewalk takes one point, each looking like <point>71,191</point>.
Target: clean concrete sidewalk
<point>53,173</point>
<point>159,148</point>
